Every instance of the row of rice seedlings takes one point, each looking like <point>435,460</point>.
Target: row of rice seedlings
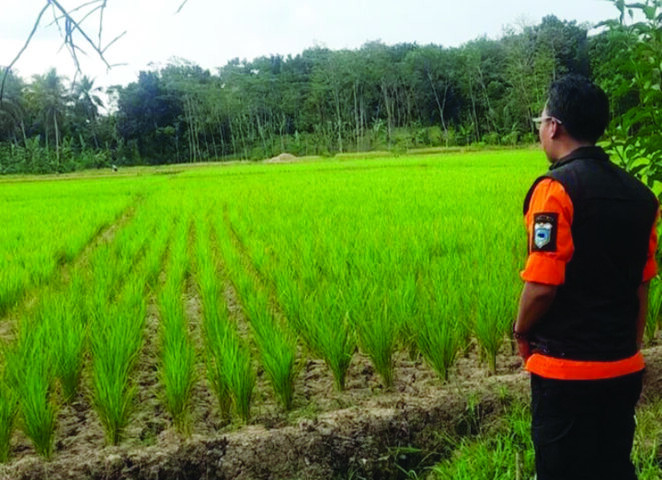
<point>324,325</point>
<point>312,251</point>
<point>385,310</point>
<point>276,344</point>
<point>116,333</point>
<point>377,333</point>
<point>178,357</point>
<point>353,298</point>
<point>315,308</point>
<point>496,306</point>
<point>33,245</point>
<point>112,263</point>
<point>115,341</point>
<point>30,374</point>
<point>49,351</point>
<point>8,411</point>
<point>49,347</point>
<point>438,325</point>
<point>68,332</point>
<point>229,365</point>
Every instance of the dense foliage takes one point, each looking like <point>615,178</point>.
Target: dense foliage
<point>634,80</point>
<point>321,102</point>
<point>317,102</point>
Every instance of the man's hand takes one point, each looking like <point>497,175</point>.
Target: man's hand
<point>535,301</point>
<point>523,348</point>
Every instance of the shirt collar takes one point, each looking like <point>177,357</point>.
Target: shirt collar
<point>593,152</point>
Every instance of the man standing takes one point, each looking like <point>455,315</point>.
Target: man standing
<point>591,230</point>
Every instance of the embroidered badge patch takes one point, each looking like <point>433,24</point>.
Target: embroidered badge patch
<point>544,232</point>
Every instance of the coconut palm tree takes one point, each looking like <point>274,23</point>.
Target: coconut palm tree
<point>47,95</point>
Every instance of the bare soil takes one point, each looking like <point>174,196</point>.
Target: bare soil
<point>360,432</point>
<point>282,158</point>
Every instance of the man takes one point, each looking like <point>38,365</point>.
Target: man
<point>583,307</point>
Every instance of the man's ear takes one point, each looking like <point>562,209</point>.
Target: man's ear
<point>554,130</point>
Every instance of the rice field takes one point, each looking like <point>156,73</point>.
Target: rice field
<point>222,281</point>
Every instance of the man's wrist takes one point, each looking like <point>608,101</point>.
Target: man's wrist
<point>519,335</point>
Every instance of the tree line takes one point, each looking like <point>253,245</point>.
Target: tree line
<point>319,102</point>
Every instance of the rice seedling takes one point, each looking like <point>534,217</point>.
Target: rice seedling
<point>61,312</point>
<point>276,345</point>
<point>654,306</point>
<point>8,412</point>
<point>239,373</point>
<point>228,365</point>
<point>177,370</point>
<point>116,338</point>
<point>331,333</point>
<point>437,332</point>
<point>178,377</point>
<point>496,307</point>
<point>277,350</point>
<point>217,374</point>
<point>377,330</point>
<point>30,373</point>
<point>39,410</point>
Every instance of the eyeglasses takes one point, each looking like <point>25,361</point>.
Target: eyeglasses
<point>538,120</point>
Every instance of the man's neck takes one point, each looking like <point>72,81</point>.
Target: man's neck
<point>567,146</point>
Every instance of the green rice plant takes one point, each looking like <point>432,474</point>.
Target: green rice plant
<point>330,333</point>
<point>116,338</point>
<point>276,345</point>
<point>39,410</point>
<point>654,306</point>
<point>215,325</point>
<point>229,369</point>
<point>177,370</point>
<point>277,350</point>
<point>404,308</point>
<point>437,336</point>
<point>377,333</point>
<point>61,312</point>
<point>8,412</point>
<point>30,373</point>
<point>228,363</point>
<point>178,377</point>
<point>154,258</point>
<point>496,301</point>
<point>239,373</point>
<point>219,383</point>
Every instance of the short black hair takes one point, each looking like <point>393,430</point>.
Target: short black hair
<point>581,105</point>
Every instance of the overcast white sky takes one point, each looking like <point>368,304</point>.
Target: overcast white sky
<point>210,32</point>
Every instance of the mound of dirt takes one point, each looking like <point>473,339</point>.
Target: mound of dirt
<point>282,158</point>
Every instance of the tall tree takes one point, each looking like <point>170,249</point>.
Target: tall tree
<point>48,95</point>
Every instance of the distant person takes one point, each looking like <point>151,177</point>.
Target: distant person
<point>592,239</point>
<point>114,167</point>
